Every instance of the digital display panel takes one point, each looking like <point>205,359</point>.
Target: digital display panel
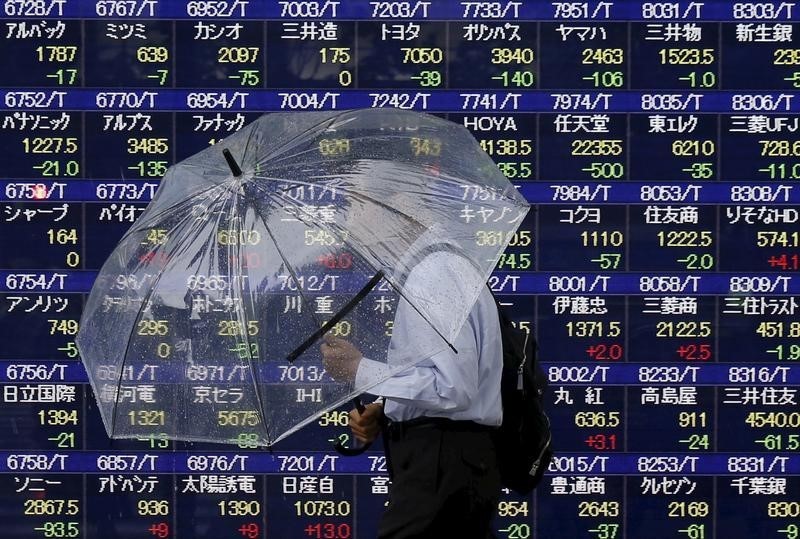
<point>657,141</point>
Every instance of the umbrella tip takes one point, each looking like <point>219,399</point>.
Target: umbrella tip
<point>232,162</point>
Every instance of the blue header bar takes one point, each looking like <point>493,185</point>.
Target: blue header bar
<point>536,192</point>
<point>23,372</point>
<point>622,101</point>
<point>560,283</point>
<point>263,462</point>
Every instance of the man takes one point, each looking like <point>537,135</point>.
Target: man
<point>440,412</point>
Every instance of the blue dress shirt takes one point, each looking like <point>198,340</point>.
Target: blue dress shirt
<point>460,386</point>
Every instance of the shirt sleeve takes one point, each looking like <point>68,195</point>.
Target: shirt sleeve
<point>436,377</point>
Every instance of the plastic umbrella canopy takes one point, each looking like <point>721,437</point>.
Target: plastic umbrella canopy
<point>204,324</point>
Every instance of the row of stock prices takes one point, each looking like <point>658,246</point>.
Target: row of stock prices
<point>658,142</point>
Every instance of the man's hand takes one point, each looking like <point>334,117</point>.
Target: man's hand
<point>366,426</point>
<point>340,358</point>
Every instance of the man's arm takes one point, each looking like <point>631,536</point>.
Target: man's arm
<point>422,369</point>
<point>440,378</point>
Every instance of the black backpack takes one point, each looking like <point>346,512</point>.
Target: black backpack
<point>523,440</point>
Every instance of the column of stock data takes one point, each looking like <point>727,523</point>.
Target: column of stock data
<point>659,143</point>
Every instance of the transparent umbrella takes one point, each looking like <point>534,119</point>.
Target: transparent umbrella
<point>204,324</point>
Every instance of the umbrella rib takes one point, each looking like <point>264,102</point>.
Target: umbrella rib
<point>373,137</point>
<point>334,230</point>
<point>294,183</point>
<point>285,144</point>
<point>285,261</point>
<point>140,311</point>
<point>353,247</point>
<point>343,188</point>
<point>441,178</point>
<point>181,202</point>
<point>396,288</point>
<point>247,144</point>
<point>248,350</point>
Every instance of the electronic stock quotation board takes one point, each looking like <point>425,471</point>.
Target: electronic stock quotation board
<point>659,143</point>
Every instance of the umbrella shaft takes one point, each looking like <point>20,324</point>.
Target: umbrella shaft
<point>336,318</point>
